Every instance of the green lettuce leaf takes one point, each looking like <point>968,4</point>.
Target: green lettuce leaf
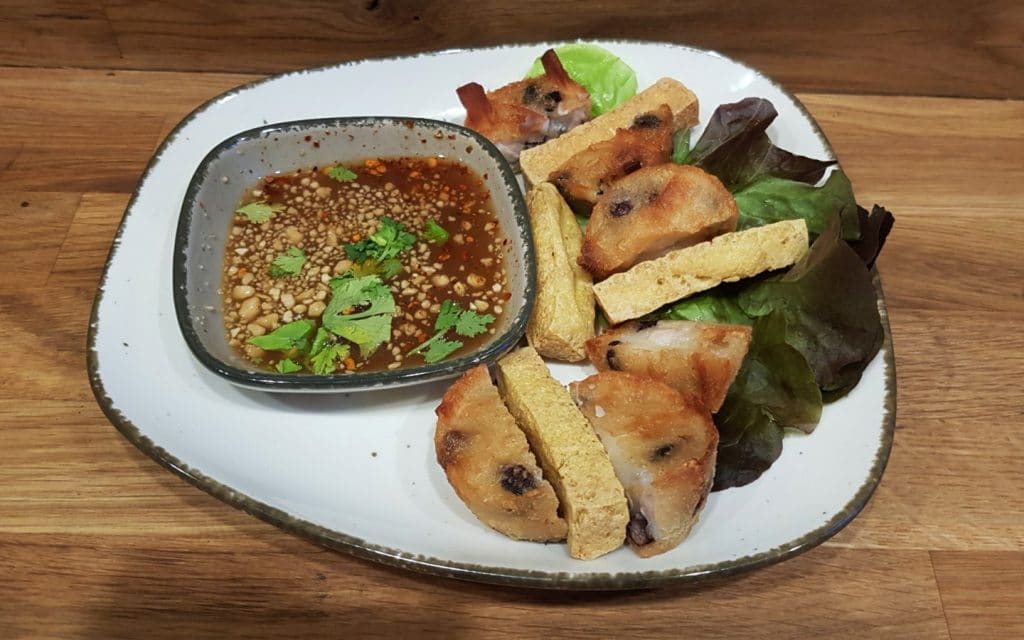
<point>773,199</point>
<point>681,146</point>
<point>609,80</point>
<point>828,300</point>
<point>720,305</point>
<point>736,149</point>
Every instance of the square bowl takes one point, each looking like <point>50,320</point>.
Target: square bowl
<point>234,166</point>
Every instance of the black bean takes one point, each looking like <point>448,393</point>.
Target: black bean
<point>517,480</point>
<point>621,208</point>
<point>646,121</point>
<point>637,531</point>
<point>662,452</point>
<point>530,93</point>
<point>631,166</point>
<point>551,100</point>
<point>645,324</point>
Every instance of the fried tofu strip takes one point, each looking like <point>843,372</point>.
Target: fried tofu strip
<point>573,459</point>
<point>563,314</point>
<point>684,272</point>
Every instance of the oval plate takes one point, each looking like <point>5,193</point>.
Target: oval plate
<point>356,472</point>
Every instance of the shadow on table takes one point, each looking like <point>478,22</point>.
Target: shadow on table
<point>267,584</point>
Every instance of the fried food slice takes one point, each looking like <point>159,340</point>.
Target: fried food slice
<point>538,162</point>
<point>563,313</point>
<point>663,446</point>
<point>489,464</point>
<point>699,359</point>
<point>586,175</point>
<point>570,453</point>
<point>652,210</point>
<point>684,272</point>
<point>525,113</point>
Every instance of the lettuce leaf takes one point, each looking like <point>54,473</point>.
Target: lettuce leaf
<point>828,300</point>
<point>773,199</point>
<point>720,305</point>
<point>874,229</point>
<point>735,147</point>
<point>774,389</point>
<point>608,79</point>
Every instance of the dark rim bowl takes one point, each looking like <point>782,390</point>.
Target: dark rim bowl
<point>199,242</point>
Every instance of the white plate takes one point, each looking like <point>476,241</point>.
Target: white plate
<point>356,472</point>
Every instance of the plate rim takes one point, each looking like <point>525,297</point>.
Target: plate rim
<point>502,576</point>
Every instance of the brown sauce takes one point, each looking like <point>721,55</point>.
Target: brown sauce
<point>319,215</point>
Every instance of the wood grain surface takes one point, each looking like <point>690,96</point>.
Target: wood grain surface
<point>922,101</point>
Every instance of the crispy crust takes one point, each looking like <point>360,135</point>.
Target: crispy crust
<point>663,445</point>
<point>538,163</point>
<point>654,210</point>
<point>696,358</point>
<point>489,464</point>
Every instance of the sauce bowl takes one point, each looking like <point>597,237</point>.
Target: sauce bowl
<point>236,164</point>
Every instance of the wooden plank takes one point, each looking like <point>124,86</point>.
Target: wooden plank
<point>91,130</point>
<point>80,260</point>
<point>35,225</point>
<point>147,586</point>
<point>57,33</point>
<point>944,47</point>
<point>954,478</point>
<point>981,592</point>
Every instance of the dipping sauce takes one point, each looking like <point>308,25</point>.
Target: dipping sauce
<point>399,242</point>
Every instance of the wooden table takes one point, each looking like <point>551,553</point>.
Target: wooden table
<point>923,103</point>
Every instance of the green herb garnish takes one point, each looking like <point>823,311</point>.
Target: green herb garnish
<point>288,263</point>
<point>294,335</point>
<point>466,323</point>
<point>288,366</point>
<point>325,353</point>
<point>342,174</point>
<point>435,233</point>
<point>360,311</point>
<point>259,212</point>
<point>389,240</point>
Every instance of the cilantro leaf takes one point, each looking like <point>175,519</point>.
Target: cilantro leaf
<point>293,335</point>
<point>435,233</point>
<point>288,366</point>
<point>387,242</point>
<point>288,263</point>
<point>321,340</point>
<point>342,174</point>
<point>259,212</point>
<point>466,322</point>
<point>360,310</point>
<point>440,349</point>
<point>325,361</point>
<point>472,324</point>
<point>448,316</point>
<point>386,270</point>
